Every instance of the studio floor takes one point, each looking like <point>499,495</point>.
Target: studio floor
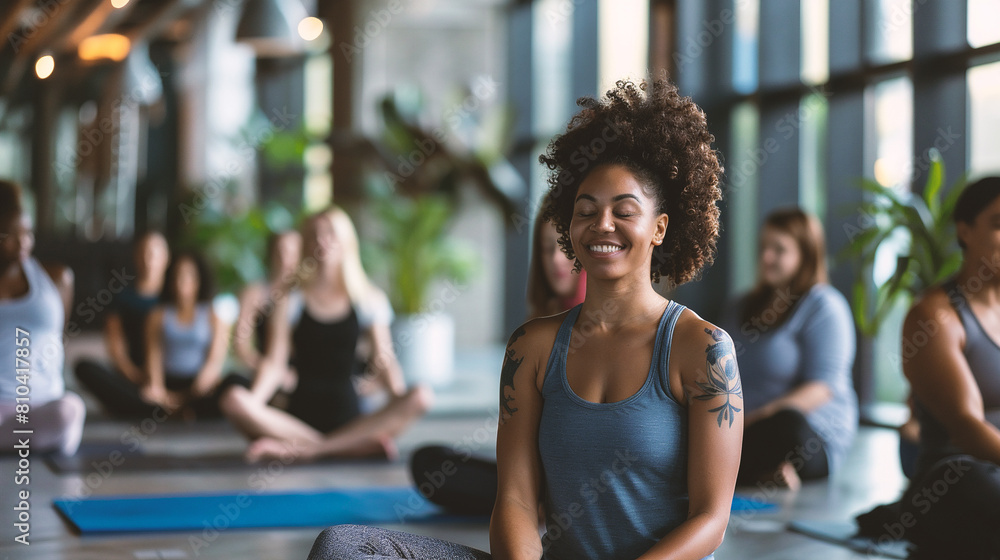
<point>464,415</point>
<point>870,477</point>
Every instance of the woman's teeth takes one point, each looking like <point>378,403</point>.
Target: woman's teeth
<point>604,248</point>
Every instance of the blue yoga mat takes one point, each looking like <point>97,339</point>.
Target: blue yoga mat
<point>749,504</point>
<point>303,508</point>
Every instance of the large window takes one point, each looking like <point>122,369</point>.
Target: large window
<point>807,97</point>
<point>984,119</point>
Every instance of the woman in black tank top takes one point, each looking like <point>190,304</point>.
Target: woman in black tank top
<point>951,356</point>
<point>340,308</point>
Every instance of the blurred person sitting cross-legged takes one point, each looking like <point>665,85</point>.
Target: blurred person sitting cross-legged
<point>185,342</point>
<point>795,341</point>
<point>951,356</point>
<point>322,325</point>
<point>35,302</point>
<point>118,388</point>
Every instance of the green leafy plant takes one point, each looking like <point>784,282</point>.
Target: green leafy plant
<point>918,229</point>
<point>230,232</point>
<point>415,190</point>
<point>415,248</point>
<point>235,242</point>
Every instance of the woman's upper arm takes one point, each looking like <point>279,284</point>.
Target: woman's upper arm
<point>714,397</point>
<point>220,333</point>
<point>828,341</point>
<point>936,367</point>
<point>520,401</point>
<point>249,301</point>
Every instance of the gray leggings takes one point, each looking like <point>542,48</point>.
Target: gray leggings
<point>358,542</point>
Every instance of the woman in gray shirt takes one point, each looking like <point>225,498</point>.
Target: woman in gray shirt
<point>795,342</point>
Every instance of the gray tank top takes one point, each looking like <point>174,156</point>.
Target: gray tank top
<point>185,347</point>
<point>983,356</point>
<point>40,316</point>
<point>615,474</point>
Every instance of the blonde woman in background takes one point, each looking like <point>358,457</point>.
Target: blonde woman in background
<point>340,313</point>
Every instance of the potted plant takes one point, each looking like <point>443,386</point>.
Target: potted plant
<point>415,192</point>
<point>918,229</point>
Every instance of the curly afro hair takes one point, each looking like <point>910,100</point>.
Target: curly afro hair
<point>663,139</point>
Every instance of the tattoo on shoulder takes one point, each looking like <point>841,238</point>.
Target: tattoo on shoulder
<point>510,365</point>
<point>723,376</point>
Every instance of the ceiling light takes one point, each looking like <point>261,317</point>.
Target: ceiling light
<point>310,28</point>
<point>111,46</point>
<point>44,66</point>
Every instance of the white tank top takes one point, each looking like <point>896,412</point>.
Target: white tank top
<point>40,316</point>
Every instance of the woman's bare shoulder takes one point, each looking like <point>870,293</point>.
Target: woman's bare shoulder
<point>537,332</point>
<point>694,336</point>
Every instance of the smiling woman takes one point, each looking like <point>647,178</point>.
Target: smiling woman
<point>581,390</point>
<point>668,158</point>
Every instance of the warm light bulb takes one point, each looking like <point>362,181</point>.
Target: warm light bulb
<point>310,28</point>
<point>108,46</point>
<point>119,3</point>
<point>44,66</point>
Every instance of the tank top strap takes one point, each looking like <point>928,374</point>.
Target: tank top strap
<point>663,345</point>
<point>39,282</point>
<point>956,297</point>
<point>557,358</point>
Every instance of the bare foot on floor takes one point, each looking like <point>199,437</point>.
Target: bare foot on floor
<point>787,476</point>
<point>270,448</point>
<point>389,449</point>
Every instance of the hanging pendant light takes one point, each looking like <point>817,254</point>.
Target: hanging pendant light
<point>269,27</point>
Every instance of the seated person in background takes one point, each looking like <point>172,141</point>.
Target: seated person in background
<point>554,285</point>
<point>125,334</point>
<point>186,341</point>
<point>952,506</point>
<point>257,303</point>
<point>794,335</point>
<point>622,415</point>
<point>470,487</point>
<point>338,308</point>
<point>35,303</point>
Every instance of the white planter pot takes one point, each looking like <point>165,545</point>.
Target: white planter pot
<point>425,347</point>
